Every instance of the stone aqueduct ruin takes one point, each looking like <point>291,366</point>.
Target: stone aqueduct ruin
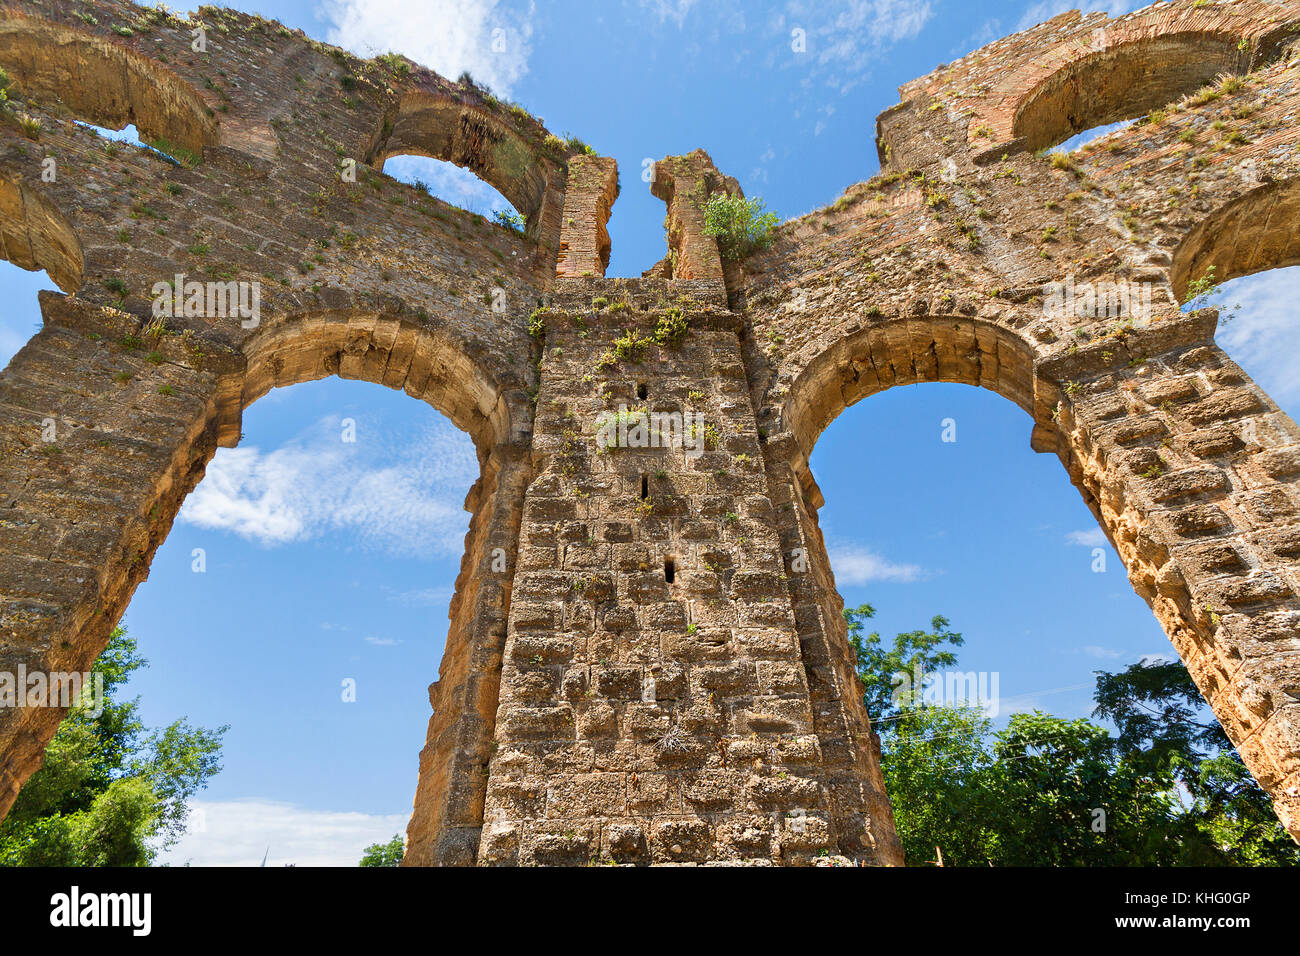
<point>592,705</point>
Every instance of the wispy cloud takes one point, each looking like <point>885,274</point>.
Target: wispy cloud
<point>843,37</point>
<point>853,565</point>
<point>382,641</point>
<point>241,832</point>
<point>665,10</point>
<point>1043,10</point>
<point>1092,538</point>
<point>401,495</point>
<point>1263,336</point>
<point>487,38</point>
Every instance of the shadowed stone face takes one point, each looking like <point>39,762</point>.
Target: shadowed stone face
<point>646,661</point>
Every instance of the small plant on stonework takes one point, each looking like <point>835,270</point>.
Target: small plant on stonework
<point>166,390</point>
<point>1073,388</point>
<point>631,346</point>
<point>645,507</point>
<point>740,225</point>
<point>116,286</point>
<point>537,321</point>
<point>509,219</point>
<point>30,125</point>
<point>1155,471</point>
<point>1064,162</point>
<point>671,327</point>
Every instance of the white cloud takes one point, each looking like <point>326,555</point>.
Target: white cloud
<point>1044,10</point>
<point>242,832</point>
<point>854,565</point>
<point>487,38</point>
<point>1102,653</point>
<point>675,10</point>
<point>403,497</point>
<point>1093,538</point>
<point>382,641</point>
<point>844,37</point>
<point>1263,336</point>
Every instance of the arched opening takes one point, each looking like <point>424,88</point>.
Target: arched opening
<point>446,129</point>
<point>1125,81</point>
<point>187,411</point>
<point>1244,259</point>
<point>302,597</point>
<point>1252,233</point>
<point>105,83</point>
<point>35,235</point>
<point>1111,479</point>
<point>967,522</point>
<point>456,186</point>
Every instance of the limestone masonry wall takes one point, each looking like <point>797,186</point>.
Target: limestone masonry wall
<point>646,660</point>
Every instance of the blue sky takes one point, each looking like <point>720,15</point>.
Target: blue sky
<point>329,560</point>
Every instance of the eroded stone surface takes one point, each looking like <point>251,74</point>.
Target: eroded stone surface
<point>646,661</point>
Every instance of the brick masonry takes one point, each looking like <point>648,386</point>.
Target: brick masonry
<point>646,661</point>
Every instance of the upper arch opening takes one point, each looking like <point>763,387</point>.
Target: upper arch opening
<point>104,83</point>
<point>1127,81</point>
<point>445,129</point>
<point>399,352</point>
<point>1257,231</point>
<point>34,235</point>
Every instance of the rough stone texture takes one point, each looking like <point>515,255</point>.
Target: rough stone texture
<point>646,661</point>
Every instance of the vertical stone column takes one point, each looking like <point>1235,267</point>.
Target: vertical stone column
<point>588,200</point>
<point>1195,475</point>
<point>686,183</point>
<point>654,703</point>
<point>103,431</point>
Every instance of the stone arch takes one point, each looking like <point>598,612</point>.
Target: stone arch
<point>1254,232</point>
<point>1190,469</point>
<point>104,82</point>
<point>426,360</point>
<point>1122,83</point>
<point>35,235</point>
<point>445,128</point>
<point>133,457</point>
<point>1111,70</point>
<point>433,364</point>
<point>902,351</point>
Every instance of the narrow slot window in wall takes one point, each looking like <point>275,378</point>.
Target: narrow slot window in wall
<point>645,487</point>
<point>641,390</point>
<point>670,570</point>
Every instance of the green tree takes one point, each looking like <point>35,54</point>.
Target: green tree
<point>110,792</point>
<point>1164,726</point>
<point>934,761</point>
<point>912,653</point>
<point>740,225</point>
<point>384,854</point>
<point>1167,790</point>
